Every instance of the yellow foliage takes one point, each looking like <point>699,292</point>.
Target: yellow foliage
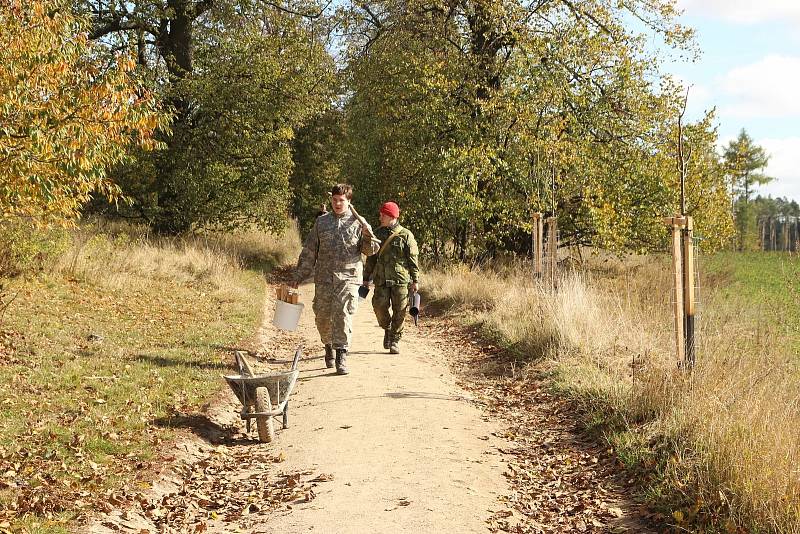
<point>68,111</point>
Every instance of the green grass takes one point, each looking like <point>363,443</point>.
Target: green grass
<point>757,274</point>
<point>93,375</point>
<point>764,284</point>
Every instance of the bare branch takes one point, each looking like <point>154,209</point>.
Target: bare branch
<point>372,17</point>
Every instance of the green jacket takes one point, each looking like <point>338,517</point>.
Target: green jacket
<point>398,263</point>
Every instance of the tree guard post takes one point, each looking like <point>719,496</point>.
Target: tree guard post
<point>682,244</point>
<point>537,240</point>
<point>552,251</point>
<point>687,233</point>
<point>677,281</point>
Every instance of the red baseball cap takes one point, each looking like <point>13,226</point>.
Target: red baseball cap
<point>391,209</point>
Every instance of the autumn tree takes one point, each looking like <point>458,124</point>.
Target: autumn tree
<point>474,113</point>
<point>68,110</point>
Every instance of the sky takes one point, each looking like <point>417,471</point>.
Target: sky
<point>749,69</point>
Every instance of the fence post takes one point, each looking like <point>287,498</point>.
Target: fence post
<point>552,252</point>
<point>537,238</point>
<point>677,277</point>
<point>688,288</point>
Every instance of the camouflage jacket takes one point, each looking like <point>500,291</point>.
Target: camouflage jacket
<point>398,263</point>
<point>333,248</point>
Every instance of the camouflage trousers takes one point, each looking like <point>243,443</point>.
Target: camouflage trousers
<point>391,305</point>
<point>334,307</point>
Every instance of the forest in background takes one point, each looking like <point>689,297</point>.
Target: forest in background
<point>470,114</point>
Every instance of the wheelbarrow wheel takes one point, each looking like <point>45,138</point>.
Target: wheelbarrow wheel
<point>264,423</point>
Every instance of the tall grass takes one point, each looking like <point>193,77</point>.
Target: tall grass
<point>728,448</point>
<point>116,255</point>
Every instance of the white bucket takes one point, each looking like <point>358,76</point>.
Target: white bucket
<point>287,316</point>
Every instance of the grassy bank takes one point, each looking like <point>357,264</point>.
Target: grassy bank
<point>103,347</point>
<point>716,448</point>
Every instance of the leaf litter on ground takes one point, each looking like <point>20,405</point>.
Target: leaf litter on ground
<point>560,482</point>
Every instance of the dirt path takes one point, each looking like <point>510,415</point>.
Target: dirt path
<point>431,440</point>
<point>407,449</point>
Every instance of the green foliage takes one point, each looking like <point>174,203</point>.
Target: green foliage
<point>751,214</point>
<point>743,162</point>
<point>746,225</point>
<point>27,248</point>
<point>240,80</point>
<point>768,206</point>
<point>316,165</point>
<point>473,115</point>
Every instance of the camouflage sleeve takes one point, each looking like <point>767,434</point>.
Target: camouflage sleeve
<point>369,245</point>
<point>308,256</point>
<point>413,258</point>
<point>369,266</point>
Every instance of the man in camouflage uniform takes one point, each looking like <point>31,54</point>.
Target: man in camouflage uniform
<point>395,271</point>
<point>332,251</point>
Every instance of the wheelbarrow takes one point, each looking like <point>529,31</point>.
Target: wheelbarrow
<point>263,396</point>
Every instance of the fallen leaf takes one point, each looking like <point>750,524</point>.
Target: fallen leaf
<point>615,511</point>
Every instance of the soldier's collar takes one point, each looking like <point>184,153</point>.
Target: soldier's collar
<point>345,213</point>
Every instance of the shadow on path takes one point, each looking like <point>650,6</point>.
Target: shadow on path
<point>198,424</point>
<point>162,361</point>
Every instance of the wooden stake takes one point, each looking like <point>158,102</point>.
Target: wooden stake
<point>678,281</point>
<point>552,251</point>
<point>537,238</point>
<point>688,290</point>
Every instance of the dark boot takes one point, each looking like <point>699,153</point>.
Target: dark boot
<point>387,338</point>
<point>394,346</point>
<point>341,362</point>
<point>328,356</point>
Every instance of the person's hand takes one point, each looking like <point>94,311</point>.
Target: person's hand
<point>414,287</point>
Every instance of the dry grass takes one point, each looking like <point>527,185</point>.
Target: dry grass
<point>117,256</point>
<point>108,353</point>
<point>729,448</point>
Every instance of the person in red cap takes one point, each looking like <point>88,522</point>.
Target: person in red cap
<point>395,272</point>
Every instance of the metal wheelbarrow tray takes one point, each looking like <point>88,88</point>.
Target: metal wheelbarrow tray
<point>263,396</point>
